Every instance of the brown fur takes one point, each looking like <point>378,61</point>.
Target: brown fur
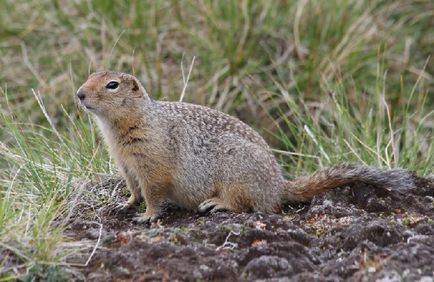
<point>234,196</point>
<point>200,158</point>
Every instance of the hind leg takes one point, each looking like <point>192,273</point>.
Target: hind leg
<point>213,205</point>
<point>230,197</point>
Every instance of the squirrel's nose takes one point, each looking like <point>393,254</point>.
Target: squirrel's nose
<point>81,95</point>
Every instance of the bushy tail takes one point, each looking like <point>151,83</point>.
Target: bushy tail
<point>303,189</point>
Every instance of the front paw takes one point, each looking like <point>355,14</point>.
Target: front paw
<point>118,208</point>
<point>131,203</point>
<point>124,206</point>
<point>147,217</point>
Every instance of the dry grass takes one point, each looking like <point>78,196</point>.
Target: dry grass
<point>324,81</point>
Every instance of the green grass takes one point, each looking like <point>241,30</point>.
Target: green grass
<point>323,81</point>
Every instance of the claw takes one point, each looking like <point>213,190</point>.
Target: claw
<point>130,204</point>
<point>211,206</point>
<point>116,208</point>
<point>145,218</point>
<point>124,206</point>
<point>206,206</point>
<point>218,208</point>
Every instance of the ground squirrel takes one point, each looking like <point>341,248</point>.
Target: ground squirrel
<point>200,158</point>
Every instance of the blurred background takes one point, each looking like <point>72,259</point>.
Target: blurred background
<point>324,82</point>
<point>336,80</point>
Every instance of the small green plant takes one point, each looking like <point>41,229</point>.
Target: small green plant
<point>324,81</point>
<point>50,273</point>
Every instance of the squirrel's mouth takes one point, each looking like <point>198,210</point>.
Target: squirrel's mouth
<point>83,104</point>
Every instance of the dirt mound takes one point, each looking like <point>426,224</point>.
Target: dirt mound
<point>351,233</point>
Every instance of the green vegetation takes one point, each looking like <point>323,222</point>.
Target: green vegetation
<point>323,81</point>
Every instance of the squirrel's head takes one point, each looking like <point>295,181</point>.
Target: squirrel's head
<point>109,93</point>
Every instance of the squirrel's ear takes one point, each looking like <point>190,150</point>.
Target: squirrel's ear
<point>135,86</point>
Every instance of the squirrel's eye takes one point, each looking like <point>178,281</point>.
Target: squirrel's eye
<point>112,85</point>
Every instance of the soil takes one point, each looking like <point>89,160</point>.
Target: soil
<point>358,233</point>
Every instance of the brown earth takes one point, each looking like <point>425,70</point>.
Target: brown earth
<point>359,233</point>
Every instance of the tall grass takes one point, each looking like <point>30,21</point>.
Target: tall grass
<point>336,131</point>
<point>323,81</point>
<point>39,172</point>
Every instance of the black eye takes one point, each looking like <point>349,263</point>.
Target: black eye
<point>112,85</point>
